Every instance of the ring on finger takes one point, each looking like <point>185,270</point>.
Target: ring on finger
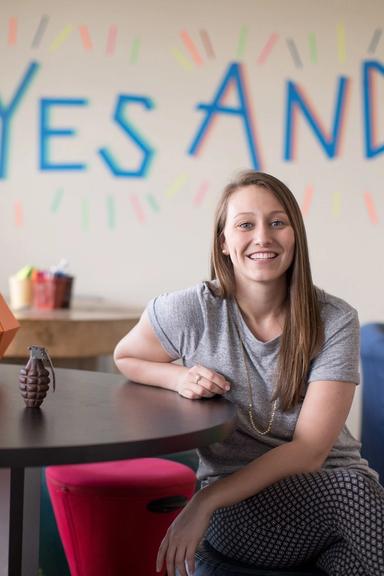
<point>198,378</point>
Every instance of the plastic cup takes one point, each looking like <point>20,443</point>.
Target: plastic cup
<point>20,292</point>
<point>52,291</point>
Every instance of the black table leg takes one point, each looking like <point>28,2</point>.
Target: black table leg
<point>24,522</point>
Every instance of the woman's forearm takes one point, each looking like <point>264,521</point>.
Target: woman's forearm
<point>285,460</point>
<point>162,374</point>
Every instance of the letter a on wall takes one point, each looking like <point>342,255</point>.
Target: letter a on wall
<point>235,78</point>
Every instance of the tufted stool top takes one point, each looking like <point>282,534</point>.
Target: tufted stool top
<point>143,476</point>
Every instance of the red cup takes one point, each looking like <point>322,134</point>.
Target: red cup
<point>51,291</point>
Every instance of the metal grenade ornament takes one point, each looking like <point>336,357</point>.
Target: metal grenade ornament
<point>34,378</point>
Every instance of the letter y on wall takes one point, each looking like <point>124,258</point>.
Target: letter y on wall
<point>7,113</point>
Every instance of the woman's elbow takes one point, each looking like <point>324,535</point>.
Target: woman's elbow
<point>316,461</point>
<point>312,460</point>
<point>117,353</point>
<point>314,466</point>
<point>121,356</point>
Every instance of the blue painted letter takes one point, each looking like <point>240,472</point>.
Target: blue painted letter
<point>7,113</point>
<point>233,77</point>
<point>296,100</point>
<point>46,132</point>
<point>371,147</point>
<point>128,128</point>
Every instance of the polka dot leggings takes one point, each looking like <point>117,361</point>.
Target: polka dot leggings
<point>333,518</point>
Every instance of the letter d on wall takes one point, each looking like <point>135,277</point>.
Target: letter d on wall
<point>370,116</point>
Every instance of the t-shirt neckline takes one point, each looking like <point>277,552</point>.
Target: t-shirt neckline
<point>247,332</point>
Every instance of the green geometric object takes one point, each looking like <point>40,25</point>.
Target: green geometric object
<point>25,272</point>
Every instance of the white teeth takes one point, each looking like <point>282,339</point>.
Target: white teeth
<point>262,255</point>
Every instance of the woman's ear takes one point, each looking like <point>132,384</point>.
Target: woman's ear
<point>223,245</point>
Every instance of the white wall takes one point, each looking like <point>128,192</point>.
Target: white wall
<point>128,255</point>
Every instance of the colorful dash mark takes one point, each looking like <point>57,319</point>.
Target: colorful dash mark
<point>201,193</point>
<point>371,208</point>
<point>111,40</point>
<point>312,47</point>
<point>308,196</point>
<point>153,203</point>
<point>182,60</point>
<point>111,212</point>
<point>12,31</point>
<point>375,40</point>
<point>56,202</point>
<point>294,53</point>
<point>341,51</point>
<point>267,49</point>
<point>242,42</point>
<point>135,50</point>
<point>207,44</point>
<point>191,47</point>
<point>19,217</point>
<point>336,203</point>
<point>61,38</point>
<point>40,31</point>
<point>137,208</point>
<point>176,185</point>
<point>85,214</point>
<point>85,37</point>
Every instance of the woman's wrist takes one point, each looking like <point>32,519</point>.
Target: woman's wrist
<point>206,498</point>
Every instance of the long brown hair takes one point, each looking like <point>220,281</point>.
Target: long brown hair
<point>302,334</point>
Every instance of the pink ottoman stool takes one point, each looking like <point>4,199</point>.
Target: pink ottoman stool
<point>112,516</point>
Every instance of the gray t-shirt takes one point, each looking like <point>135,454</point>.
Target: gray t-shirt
<point>198,326</point>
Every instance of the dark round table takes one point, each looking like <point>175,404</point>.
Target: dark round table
<point>91,417</point>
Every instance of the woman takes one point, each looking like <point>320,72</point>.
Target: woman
<point>288,486</point>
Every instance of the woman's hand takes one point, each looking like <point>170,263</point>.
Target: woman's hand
<point>183,537</point>
<point>200,382</point>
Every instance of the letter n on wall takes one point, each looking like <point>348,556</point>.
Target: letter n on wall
<point>297,101</point>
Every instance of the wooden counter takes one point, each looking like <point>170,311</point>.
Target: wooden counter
<point>86,331</point>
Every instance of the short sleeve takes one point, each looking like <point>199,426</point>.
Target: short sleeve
<point>339,357</point>
<point>178,321</point>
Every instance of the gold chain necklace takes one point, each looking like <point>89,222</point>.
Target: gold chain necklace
<point>251,407</point>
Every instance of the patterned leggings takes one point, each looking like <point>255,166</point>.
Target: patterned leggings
<point>332,518</point>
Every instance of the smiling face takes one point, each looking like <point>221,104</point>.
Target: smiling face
<point>257,236</point>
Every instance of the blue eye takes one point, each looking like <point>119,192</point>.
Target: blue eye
<point>277,224</point>
<point>246,225</point>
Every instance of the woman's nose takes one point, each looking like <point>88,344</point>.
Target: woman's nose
<point>262,235</point>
